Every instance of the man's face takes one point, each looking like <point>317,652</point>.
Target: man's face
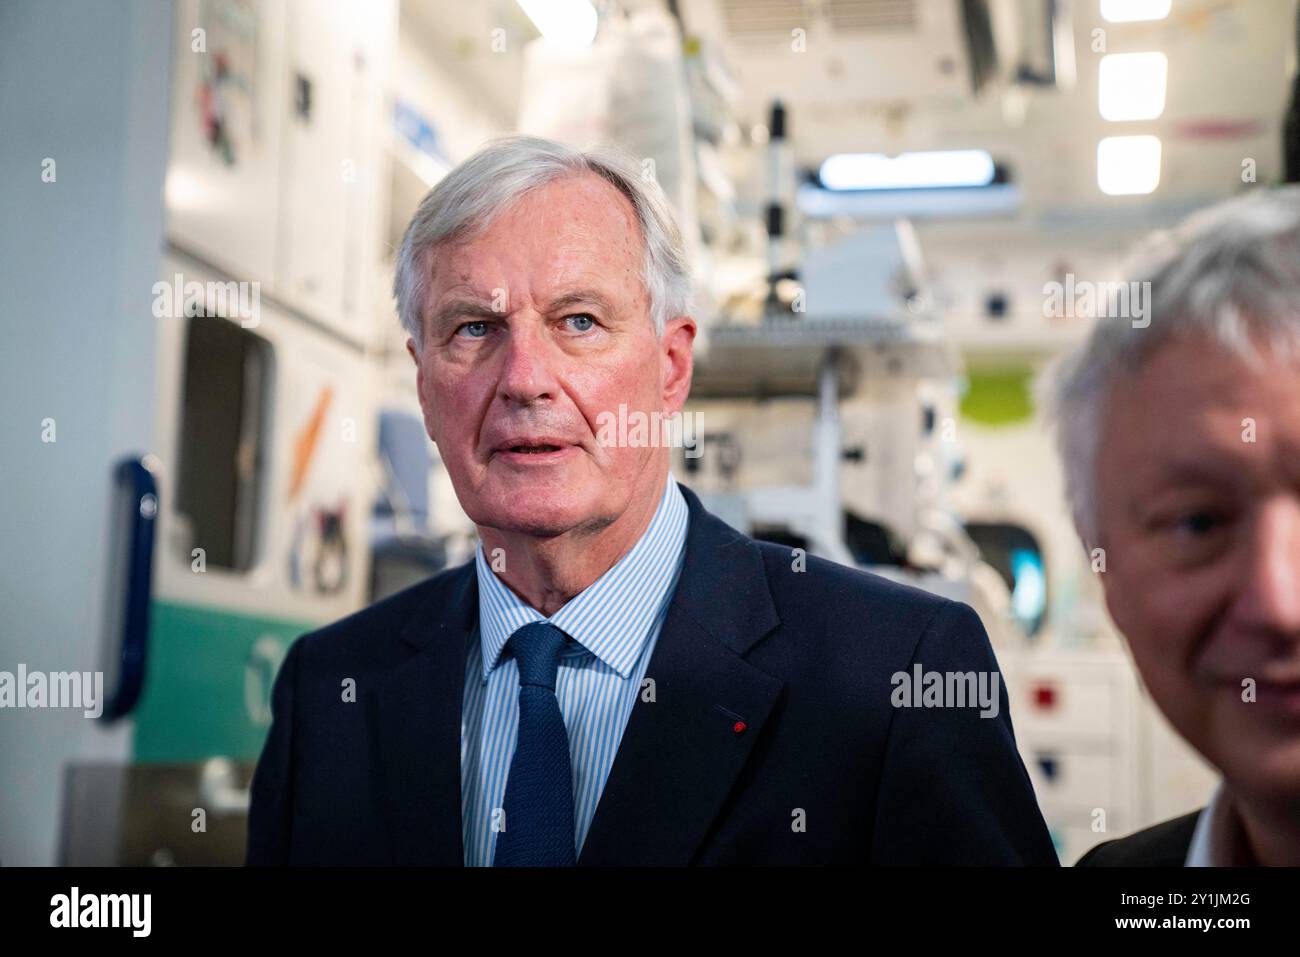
<point>531,331</point>
<point>1198,478</point>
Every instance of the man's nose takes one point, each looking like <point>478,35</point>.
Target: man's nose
<point>527,370</point>
<point>1271,589</point>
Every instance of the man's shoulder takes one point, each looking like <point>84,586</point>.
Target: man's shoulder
<point>1161,845</point>
<point>376,630</point>
<point>860,620</point>
<point>809,580</point>
<point>818,593</point>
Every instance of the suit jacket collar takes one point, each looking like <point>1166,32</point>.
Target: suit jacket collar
<point>613,616</point>
<point>418,715</point>
<point>691,730</point>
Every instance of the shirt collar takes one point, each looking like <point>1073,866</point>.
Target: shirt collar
<point>612,617</point>
<point>1200,851</point>
<point>1218,840</point>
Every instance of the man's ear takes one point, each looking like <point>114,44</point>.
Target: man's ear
<point>677,361</point>
<point>419,389</point>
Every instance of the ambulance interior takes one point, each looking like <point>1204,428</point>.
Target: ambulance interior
<point>877,197</point>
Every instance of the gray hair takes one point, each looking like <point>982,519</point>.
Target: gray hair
<point>465,202</point>
<point>1231,272</point>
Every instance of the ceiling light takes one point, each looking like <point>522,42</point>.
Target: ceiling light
<point>1131,86</point>
<point>1131,11</point>
<point>929,170</point>
<point>570,24</point>
<point>1128,165</point>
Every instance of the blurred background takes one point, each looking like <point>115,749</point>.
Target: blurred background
<point>212,440</point>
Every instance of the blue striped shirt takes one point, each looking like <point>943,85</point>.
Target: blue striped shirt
<point>614,624</point>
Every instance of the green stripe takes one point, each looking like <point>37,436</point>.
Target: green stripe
<point>208,683</point>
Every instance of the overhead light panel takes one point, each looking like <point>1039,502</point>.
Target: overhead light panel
<point>1133,11</point>
<point>1128,165</point>
<point>570,24</point>
<point>928,170</point>
<point>1131,86</point>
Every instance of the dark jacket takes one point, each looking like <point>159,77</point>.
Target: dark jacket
<point>1163,845</point>
<point>803,658</point>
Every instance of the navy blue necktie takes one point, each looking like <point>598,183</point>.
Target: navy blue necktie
<point>539,791</point>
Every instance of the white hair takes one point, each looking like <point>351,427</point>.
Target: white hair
<point>1231,272</point>
<point>465,202</point>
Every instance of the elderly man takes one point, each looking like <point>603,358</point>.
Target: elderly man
<point>617,677</point>
<point>1181,443</point>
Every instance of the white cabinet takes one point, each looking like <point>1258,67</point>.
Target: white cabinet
<point>306,435</point>
<point>1075,724</point>
<point>331,221</point>
<point>1102,759</point>
<point>227,98</point>
<point>275,171</point>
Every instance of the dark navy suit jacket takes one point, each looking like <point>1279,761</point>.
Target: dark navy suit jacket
<point>1163,845</point>
<point>826,770</point>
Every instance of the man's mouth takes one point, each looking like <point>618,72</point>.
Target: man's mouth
<point>538,448</point>
<point>534,449</point>
<point>1272,685</point>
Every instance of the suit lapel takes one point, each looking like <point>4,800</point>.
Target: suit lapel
<point>681,753</point>
<point>419,722</point>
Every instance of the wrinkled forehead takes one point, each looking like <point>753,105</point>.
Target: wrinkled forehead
<point>1198,366</point>
<point>1197,400</point>
<point>576,231</point>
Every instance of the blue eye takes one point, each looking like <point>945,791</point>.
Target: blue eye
<point>584,317</point>
<point>478,324</point>
<point>1198,523</point>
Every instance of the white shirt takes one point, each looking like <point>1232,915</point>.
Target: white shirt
<point>1201,852</point>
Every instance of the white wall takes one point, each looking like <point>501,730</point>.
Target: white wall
<point>84,83</point>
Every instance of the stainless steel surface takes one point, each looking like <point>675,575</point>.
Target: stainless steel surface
<point>786,356</point>
<point>155,815</point>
